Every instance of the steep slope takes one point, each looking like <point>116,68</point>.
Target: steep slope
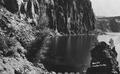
<point>16,39</point>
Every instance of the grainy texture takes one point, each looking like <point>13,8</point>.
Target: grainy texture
<point>108,24</point>
<point>25,23</point>
<point>63,16</point>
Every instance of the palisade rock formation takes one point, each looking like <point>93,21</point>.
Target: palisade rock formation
<point>71,16</point>
<point>63,16</point>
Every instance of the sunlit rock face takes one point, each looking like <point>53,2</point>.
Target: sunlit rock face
<point>63,16</point>
<point>108,24</point>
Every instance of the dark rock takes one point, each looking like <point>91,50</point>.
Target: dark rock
<point>10,5</point>
<point>71,16</point>
<point>103,60</point>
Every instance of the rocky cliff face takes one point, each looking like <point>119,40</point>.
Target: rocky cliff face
<point>71,16</point>
<point>108,24</point>
<point>63,16</point>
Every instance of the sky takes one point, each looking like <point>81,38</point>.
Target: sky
<point>106,7</point>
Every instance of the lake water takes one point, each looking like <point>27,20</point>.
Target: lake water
<point>72,53</point>
<point>69,53</point>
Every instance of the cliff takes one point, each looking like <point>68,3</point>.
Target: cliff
<point>71,16</point>
<point>65,17</point>
<point>108,24</point>
<point>26,23</point>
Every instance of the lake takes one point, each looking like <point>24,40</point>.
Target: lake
<point>69,53</point>
<point>72,53</point>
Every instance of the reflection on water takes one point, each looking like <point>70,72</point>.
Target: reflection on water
<point>69,53</point>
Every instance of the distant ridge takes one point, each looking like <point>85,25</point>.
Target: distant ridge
<point>108,24</point>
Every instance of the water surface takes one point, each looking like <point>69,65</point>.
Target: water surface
<point>69,53</point>
<point>72,53</point>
